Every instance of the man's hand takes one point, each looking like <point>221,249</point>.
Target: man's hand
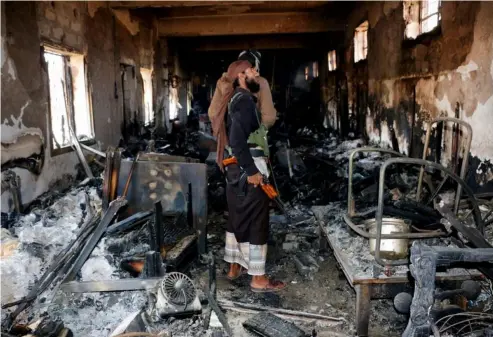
<point>256,179</point>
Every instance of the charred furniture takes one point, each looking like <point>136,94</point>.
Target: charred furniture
<point>424,262</point>
<point>386,286</point>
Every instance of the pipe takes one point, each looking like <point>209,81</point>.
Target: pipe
<point>368,235</point>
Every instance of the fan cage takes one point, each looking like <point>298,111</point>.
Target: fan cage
<point>178,288</point>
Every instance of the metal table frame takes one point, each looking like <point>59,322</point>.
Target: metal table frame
<point>375,288</point>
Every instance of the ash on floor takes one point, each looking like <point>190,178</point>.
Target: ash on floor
<point>327,293</point>
<point>356,248</point>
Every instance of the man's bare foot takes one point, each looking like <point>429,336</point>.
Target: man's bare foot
<point>262,284</point>
<point>235,271</point>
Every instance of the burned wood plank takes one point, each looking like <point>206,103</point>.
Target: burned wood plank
<point>256,23</point>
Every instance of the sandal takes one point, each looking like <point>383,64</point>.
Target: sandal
<point>271,287</point>
<point>242,272</point>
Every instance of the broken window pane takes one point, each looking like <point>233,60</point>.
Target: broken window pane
<point>332,60</point>
<point>147,79</point>
<point>361,42</point>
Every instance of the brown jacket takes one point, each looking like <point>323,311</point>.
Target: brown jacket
<point>264,103</point>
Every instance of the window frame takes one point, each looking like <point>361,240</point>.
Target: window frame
<point>66,53</point>
<point>421,19</point>
<point>421,36</point>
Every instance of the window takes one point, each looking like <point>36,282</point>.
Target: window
<point>69,104</point>
<point>361,42</point>
<point>331,59</point>
<point>307,73</point>
<point>147,79</point>
<point>315,69</point>
<point>421,17</point>
<point>430,15</point>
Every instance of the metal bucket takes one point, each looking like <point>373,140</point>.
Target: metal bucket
<point>390,249</point>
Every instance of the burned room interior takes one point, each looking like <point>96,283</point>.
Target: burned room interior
<point>379,191</point>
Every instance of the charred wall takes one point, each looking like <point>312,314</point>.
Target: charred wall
<point>105,37</point>
<point>405,82</point>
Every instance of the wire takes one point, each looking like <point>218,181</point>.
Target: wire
<point>473,317</point>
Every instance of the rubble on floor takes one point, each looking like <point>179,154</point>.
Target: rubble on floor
<point>312,177</point>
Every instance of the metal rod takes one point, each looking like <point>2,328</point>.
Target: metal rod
<point>464,161</point>
<point>132,168</point>
<point>129,222</point>
<point>435,192</point>
<point>422,163</point>
<point>278,310</point>
<point>350,202</point>
<point>83,161</point>
<point>90,149</point>
<point>110,213</point>
<point>110,285</point>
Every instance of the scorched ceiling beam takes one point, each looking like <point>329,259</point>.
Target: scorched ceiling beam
<point>244,24</point>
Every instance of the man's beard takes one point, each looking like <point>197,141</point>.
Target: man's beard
<point>252,85</point>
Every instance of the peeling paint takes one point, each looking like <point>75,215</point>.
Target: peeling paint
<point>482,124</point>
<point>24,146</point>
<point>13,129</point>
<point>466,70</point>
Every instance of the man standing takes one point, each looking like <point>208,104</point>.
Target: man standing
<point>248,225</point>
<point>223,93</point>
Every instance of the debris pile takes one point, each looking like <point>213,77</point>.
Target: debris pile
<point>140,268</point>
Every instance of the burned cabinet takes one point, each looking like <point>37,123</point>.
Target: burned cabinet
<point>179,185</point>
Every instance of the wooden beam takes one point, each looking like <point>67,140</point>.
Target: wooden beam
<point>260,42</point>
<point>257,7</point>
<point>244,24</point>
<point>170,4</point>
